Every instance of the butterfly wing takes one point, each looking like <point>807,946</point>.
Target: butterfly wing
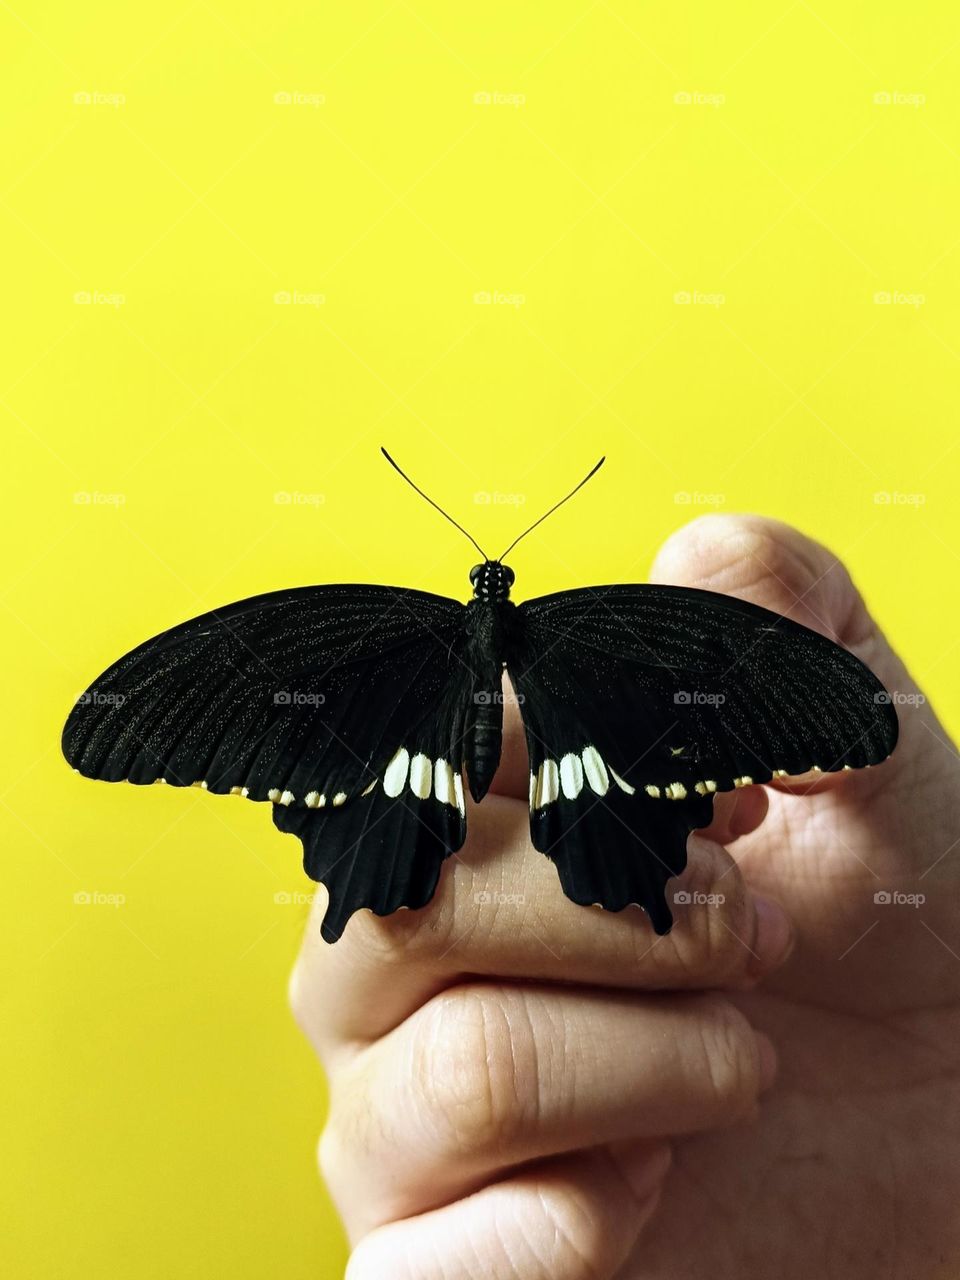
<point>343,705</point>
<point>642,702</point>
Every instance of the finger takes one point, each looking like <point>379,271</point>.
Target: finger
<point>566,1219</point>
<point>735,814</point>
<point>499,911</point>
<point>487,1076</point>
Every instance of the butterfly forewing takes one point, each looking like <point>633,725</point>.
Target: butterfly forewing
<point>312,699</point>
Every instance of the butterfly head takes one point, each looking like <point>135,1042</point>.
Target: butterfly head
<point>491,580</point>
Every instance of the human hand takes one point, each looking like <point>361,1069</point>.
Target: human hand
<point>456,1056</point>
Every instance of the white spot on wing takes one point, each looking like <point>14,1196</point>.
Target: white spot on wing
<point>548,784</point>
<point>596,771</point>
<point>421,776</point>
<point>458,792</point>
<point>287,797</point>
<point>622,784</point>
<point>395,774</point>
<point>571,775</point>
<point>340,797</point>
<point>443,782</point>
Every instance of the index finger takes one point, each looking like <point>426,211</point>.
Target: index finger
<point>499,911</point>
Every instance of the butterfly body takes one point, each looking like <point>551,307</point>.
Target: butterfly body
<point>490,619</point>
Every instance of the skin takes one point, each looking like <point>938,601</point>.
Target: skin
<point>524,1088</point>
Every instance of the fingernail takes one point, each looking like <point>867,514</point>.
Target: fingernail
<point>774,937</point>
<point>768,1060</point>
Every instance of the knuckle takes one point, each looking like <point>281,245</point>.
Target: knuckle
<point>470,1059</point>
<point>582,1244</point>
<point>298,997</point>
<point>728,1058</point>
<point>725,934</point>
<point>328,1156</point>
<point>375,1257</point>
<point>709,948</point>
<point>407,936</point>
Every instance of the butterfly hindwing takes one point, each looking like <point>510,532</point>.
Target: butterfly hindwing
<point>384,851</point>
<point>678,694</point>
<point>612,845</point>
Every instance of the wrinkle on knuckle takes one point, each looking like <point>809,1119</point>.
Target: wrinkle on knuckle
<point>728,931</point>
<point>727,1058</point>
<point>468,1071</point>
<point>582,1246</point>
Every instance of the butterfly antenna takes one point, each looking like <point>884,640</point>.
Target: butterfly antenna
<point>431,501</point>
<point>554,507</point>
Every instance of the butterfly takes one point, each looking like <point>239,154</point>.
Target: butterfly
<point>361,712</point>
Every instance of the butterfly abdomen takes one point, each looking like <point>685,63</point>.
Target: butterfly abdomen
<point>486,625</point>
<point>484,737</point>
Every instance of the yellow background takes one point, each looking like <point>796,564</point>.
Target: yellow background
<point>160,1108</point>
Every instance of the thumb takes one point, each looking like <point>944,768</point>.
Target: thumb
<point>771,564</point>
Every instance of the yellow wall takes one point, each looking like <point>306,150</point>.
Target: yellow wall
<point>161,1108</point>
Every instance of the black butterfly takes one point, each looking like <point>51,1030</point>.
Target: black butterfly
<point>356,710</point>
